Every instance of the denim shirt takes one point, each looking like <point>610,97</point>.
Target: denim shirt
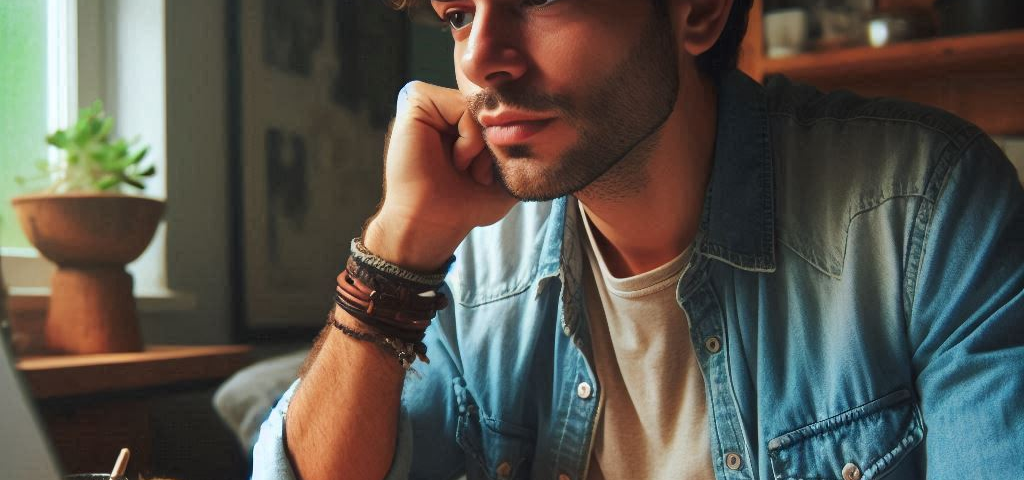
<point>856,306</point>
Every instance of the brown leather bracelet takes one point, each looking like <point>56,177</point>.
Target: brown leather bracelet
<point>404,291</point>
<point>386,326</point>
<point>376,325</point>
<point>401,310</point>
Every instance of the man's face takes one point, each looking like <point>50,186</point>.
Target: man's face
<point>564,89</point>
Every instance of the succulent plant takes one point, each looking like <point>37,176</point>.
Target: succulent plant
<point>94,160</point>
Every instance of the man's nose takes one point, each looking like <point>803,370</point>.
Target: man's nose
<point>493,55</point>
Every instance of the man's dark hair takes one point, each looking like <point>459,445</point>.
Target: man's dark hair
<point>723,55</point>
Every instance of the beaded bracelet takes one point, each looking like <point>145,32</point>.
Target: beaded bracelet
<point>406,352</point>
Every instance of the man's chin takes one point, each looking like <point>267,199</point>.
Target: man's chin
<point>533,183</point>
<point>534,195</point>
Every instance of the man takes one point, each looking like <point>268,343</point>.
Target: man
<point>706,278</point>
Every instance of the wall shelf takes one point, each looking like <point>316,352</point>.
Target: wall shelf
<point>53,376</point>
<point>936,55</point>
<point>977,77</point>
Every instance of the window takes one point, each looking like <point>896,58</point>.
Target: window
<point>23,104</point>
<point>56,55</point>
<point>37,49</point>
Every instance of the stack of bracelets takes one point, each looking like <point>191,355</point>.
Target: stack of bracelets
<point>396,304</point>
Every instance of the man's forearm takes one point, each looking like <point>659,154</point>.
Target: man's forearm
<point>343,420</point>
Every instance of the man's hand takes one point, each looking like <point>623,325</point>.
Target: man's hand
<point>439,180</point>
<point>438,186</point>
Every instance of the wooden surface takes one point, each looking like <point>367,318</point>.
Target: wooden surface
<point>158,366</point>
<point>751,61</point>
<point>938,55</point>
<point>94,405</point>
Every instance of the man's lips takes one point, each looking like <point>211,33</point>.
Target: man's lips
<point>514,132</point>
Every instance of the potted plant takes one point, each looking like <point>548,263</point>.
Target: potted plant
<point>90,228</point>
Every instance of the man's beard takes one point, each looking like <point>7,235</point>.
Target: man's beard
<point>616,121</point>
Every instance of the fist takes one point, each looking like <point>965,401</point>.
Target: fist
<point>438,180</point>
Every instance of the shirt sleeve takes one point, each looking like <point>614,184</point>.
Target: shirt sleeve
<point>966,317</point>
<point>270,457</point>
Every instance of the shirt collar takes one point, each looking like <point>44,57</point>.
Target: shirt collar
<point>738,222</point>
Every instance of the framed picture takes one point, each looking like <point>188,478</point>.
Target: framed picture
<point>312,88</point>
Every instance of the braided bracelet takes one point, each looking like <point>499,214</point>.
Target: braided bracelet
<point>364,256</point>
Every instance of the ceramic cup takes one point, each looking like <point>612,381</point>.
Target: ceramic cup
<point>785,32</point>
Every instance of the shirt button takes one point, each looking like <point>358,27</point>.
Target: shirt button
<point>583,390</point>
<point>733,461</point>
<point>851,472</point>
<point>504,469</point>
<point>713,344</point>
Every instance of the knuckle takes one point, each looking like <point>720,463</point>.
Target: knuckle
<point>413,87</point>
<point>410,94</point>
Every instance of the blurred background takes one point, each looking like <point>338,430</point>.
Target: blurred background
<point>265,121</point>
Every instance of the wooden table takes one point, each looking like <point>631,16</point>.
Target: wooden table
<point>95,404</point>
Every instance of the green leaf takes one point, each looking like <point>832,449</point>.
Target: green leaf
<point>137,156</point>
<point>58,139</point>
<point>95,126</point>
<point>80,134</point>
<point>92,110</point>
<point>95,160</point>
<point>106,127</point>
<point>108,182</point>
<point>120,148</point>
<point>134,183</point>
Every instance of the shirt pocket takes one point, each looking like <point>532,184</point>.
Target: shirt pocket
<point>862,443</point>
<point>494,449</point>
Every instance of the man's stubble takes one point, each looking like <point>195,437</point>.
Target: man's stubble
<point>618,122</point>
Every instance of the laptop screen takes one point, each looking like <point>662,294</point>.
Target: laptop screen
<point>25,450</point>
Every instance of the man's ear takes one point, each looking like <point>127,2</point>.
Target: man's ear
<point>699,23</point>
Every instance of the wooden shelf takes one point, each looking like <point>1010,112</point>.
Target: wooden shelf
<point>94,405</point>
<point>54,376</point>
<point>943,54</point>
<point>976,77</point>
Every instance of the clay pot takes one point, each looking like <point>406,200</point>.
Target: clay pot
<point>91,237</point>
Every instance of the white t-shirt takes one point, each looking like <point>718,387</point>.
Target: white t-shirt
<point>653,420</point>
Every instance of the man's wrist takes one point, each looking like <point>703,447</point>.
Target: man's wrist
<point>408,248</point>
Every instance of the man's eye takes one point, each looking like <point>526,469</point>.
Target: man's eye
<point>458,19</point>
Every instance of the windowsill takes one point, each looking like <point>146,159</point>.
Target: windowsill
<point>147,301</point>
